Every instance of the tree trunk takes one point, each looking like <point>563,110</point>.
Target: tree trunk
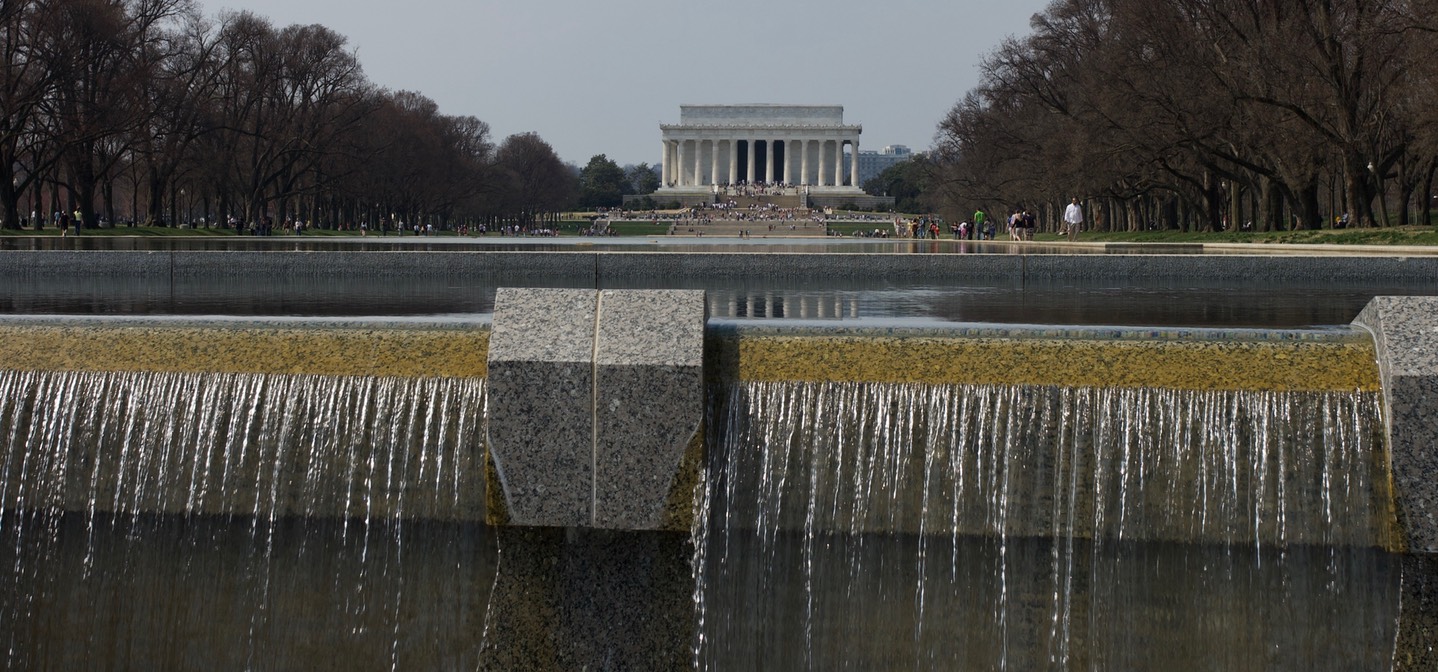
<point>1360,201</point>
<point>1235,207</point>
<point>1406,187</point>
<point>1310,218</point>
<point>9,198</point>
<point>37,204</point>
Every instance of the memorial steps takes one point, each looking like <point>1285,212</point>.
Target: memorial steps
<point>789,201</point>
<point>734,228</point>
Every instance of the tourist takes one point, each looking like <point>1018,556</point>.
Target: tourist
<point>1073,219</point>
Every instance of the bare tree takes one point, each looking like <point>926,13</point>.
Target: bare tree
<point>533,180</point>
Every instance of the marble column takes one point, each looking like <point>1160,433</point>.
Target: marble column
<point>683,156</point>
<point>714,162</point>
<point>823,165</point>
<point>664,164</point>
<point>733,161</point>
<point>854,163</point>
<point>754,159</point>
<point>838,162</point>
<point>804,162</point>
<point>769,161</point>
<point>698,162</point>
<point>788,161</point>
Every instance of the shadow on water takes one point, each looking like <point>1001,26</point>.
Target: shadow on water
<point>193,592</point>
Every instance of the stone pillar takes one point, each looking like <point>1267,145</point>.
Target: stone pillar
<point>595,403</point>
<point>854,163</point>
<point>698,162</point>
<point>683,155</point>
<point>804,162</point>
<point>714,162</point>
<point>788,161</point>
<point>838,162</point>
<point>823,165</point>
<point>733,161</point>
<point>664,164</point>
<point>754,159</point>
<point>769,161</point>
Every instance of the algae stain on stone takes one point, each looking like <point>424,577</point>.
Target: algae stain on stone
<point>1191,365</point>
<point>455,353</point>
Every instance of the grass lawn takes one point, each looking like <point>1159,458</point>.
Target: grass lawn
<point>639,228</point>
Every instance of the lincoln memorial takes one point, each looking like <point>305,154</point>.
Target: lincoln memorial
<point>801,146</point>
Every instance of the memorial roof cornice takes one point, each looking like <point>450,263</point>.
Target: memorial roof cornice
<point>748,127</point>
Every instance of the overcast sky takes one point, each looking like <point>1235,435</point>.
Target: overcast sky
<point>598,77</point>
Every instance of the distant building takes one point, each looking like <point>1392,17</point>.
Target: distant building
<point>801,145</point>
<point>872,163</point>
<point>796,152</point>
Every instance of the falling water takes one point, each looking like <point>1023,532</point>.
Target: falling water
<point>889,526</point>
<point>237,521</point>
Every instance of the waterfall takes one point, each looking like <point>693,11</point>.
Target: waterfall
<point>183,520</point>
<point>892,526</point>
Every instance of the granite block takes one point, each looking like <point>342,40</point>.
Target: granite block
<point>650,403</point>
<point>596,400</point>
<point>541,404</point>
<point>541,433</point>
<point>657,326</point>
<point>1405,332</point>
<point>648,417</point>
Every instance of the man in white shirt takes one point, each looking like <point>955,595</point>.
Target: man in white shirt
<point>1073,219</point>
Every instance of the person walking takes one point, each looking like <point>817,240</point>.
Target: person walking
<point>1073,219</point>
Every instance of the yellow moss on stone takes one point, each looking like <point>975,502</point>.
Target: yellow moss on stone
<point>300,350</point>
<point>1194,365</point>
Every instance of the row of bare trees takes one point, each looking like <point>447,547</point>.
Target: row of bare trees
<point>1205,114</point>
<point>145,110</point>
